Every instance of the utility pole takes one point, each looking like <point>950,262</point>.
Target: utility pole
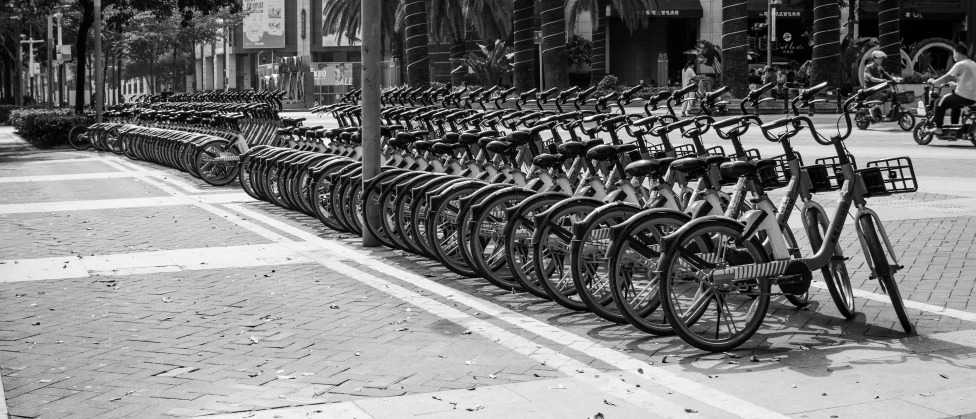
<point>30,66</point>
<point>98,61</point>
<point>770,30</point>
<point>371,51</point>
<point>50,56</point>
<point>60,61</point>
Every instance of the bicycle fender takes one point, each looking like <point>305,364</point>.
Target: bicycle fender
<point>533,199</point>
<point>424,189</point>
<point>514,191</point>
<point>644,216</point>
<point>601,211</point>
<point>436,196</point>
<point>678,236</point>
<point>383,176</point>
<point>543,218</point>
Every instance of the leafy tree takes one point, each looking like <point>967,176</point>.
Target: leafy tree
<point>187,9</point>
<point>489,67</point>
<point>579,51</point>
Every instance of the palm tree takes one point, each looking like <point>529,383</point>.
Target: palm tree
<point>449,21</point>
<point>826,42</point>
<point>735,50</point>
<point>632,12</point>
<point>554,60</point>
<point>889,34</point>
<point>523,72</point>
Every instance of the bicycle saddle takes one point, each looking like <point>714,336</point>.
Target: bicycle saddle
<point>519,137</point>
<point>689,165</point>
<point>422,145</point>
<point>744,168</point>
<point>548,161</point>
<point>654,168</point>
<point>608,152</point>
<point>345,136</point>
<point>467,138</point>
<point>571,149</point>
<point>443,148</point>
<point>451,138</point>
<point>484,141</point>
<point>502,147</point>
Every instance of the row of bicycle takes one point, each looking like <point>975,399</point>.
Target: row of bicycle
<point>633,229</point>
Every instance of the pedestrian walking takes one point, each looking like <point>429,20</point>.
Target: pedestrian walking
<point>687,76</point>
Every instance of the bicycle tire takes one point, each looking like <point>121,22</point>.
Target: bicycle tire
<point>78,138</point>
<point>878,257</point>
<point>906,121</point>
<point>442,225</point>
<point>703,235</point>
<point>835,273</point>
<point>920,137</point>
<point>551,244</point>
<point>518,234</point>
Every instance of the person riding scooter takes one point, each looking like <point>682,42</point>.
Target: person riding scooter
<point>964,94</point>
<point>874,74</point>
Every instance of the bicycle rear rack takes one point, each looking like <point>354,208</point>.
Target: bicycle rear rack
<point>826,174</point>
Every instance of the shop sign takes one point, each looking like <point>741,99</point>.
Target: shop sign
<point>783,13</point>
<point>664,13</point>
<point>332,74</point>
<point>264,25</point>
<point>913,14</point>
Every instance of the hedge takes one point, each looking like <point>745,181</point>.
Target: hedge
<point>5,111</point>
<point>46,128</point>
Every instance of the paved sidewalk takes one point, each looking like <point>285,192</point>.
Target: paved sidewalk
<point>131,290</point>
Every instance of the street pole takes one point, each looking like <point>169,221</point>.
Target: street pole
<point>30,65</point>
<point>371,51</point>
<point>19,72</point>
<point>98,61</point>
<point>769,33</point>
<point>50,69</point>
<point>60,62</point>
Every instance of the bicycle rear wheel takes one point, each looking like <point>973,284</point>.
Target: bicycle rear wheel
<point>705,315</point>
<point>878,256</point>
<point>78,138</point>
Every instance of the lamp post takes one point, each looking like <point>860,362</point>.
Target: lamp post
<point>371,51</point>
<point>98,61</point>
<point>50,68</point>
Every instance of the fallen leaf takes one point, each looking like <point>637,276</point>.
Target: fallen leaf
<point>754,359</point>
<point>255,339</point>
<point>732,362</point>
<point>402,329</point>
<point>306,374</point>
<point>469,362</point>
<point>43,381</point>
<point>333,306</point>
<point>254,374</point>
<point>598,416</point>
<point>732,355</point>
<point>466,332</point>
<point>944,376</point>
<point>640,370</point>
<point>687,410</point>
<point>36,324</point>
<point>926,394</point>
<point>115,399</point>
<point>793,385</point>
<point>168,318</point>
<point>608,403</point>
<point>715,376</point>
<point>167,300</point>
<point>491,376</point>
<point>286,377</point>
<point>476,408</point>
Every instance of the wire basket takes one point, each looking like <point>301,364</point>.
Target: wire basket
<point>779,175</point>
<point>716,151</point>
<point>890,176</point>
<point>751,155</point>
<point>906,97</point>
<point>826,173</point>
<point>685,150</point>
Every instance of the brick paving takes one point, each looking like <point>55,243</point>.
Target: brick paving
<point>209,341</point>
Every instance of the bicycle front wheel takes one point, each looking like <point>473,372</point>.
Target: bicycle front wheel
<point>708,316</point>
<point>878,257</point>
<point>78,138</point>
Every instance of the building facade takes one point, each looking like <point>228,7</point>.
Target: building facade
<point>281,45</point>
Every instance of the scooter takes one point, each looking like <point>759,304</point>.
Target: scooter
<point>906,121</point>
<point>965,130</point>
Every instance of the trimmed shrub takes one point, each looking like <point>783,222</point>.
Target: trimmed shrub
<point>5,111</point>
<point>46,128</point>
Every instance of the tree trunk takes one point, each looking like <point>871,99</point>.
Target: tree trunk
<point>598,61</point>
<point>118,77</point>
<point>889,35</point>
<point>554,62</point>
<point>418,61</point>
<point>152,74</point>
<point>81,48</point>
<point>176,73</point>
<point>101,84</point>
<point>826,42</point>
<point>735,50</point>
<point>457,53</point>
<point>523,72</point>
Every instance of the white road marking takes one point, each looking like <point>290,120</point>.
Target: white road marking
<point>135,263</point>
<point>718,399</point>
<point>52,178</point>
<point>128,166</point>
<point>929,308</point>
<point>124,203</point>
